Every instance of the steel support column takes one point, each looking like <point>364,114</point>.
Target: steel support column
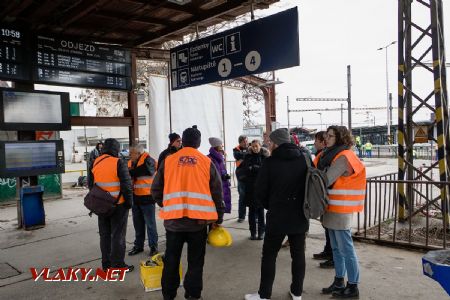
<point>440,97</point>
<point>133,130</point>
<point>269,97</point>
<point>269,104</point>
<point>429,40</point>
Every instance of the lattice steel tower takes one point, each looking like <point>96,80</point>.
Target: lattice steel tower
<point>418,45</point>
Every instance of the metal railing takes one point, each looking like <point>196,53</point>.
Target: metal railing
<point>231,168</point>
<point>426,226</point>
<point>391,151</point>
<point>82,171</point>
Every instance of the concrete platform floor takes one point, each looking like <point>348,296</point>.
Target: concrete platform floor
<point>70,238</point>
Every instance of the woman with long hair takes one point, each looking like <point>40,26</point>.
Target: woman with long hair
<point>346,176</point>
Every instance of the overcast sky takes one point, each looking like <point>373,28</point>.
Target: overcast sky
<point>337,33</point>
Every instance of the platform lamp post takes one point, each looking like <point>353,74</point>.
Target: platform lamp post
<point>387,90</point>
<point>320,114</point>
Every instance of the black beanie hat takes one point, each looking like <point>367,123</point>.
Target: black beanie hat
<point>191,137</point>
<point>111,147</point>
<point>173,137</point>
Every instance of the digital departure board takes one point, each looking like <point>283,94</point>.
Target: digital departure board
<point>31,158</point>
<point>14,54</point>
<point>37,110</point>
<point>68,62</point>
<point>81,79</point>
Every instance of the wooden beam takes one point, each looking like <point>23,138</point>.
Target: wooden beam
<point>198,17</point>
<point>142,19</point>
<point>82,9</point>
<point>152,53</point>
<point>14,9</point>
<point>102,121</point>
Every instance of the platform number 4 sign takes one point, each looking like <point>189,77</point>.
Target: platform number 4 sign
<point>252,61</point>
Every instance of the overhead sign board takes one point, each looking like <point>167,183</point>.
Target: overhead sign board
<point>68,62</point>
<point>263,45</point>
<point>14,54</point>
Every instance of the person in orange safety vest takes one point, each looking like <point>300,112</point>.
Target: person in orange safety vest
<point>346,176</point>
<point>188,189</point>
<point>142,169</point>
<point>111,174</point>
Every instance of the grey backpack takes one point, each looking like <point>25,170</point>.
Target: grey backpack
<point>316,195</point>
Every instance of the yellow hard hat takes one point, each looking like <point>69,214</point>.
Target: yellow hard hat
<point>219,237</point>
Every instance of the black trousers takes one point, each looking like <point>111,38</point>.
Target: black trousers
<point>112,232</point>
<point>193,280</point>
<point>256,214</point>
<point>272,244</point>
<point>327,249</point>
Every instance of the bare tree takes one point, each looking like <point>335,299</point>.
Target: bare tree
<point>108,103</point>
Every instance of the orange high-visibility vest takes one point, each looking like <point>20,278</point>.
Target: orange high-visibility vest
<point>238,162</point>
<point>348,192</point>
<point>142,184</point>
<point>186,186</point>
<point>105,175</point>
<point>316,159</point>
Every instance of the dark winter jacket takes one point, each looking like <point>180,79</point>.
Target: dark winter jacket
<point>186,224</point>
<point>148,168</point>
<point>280,187</point>
<point>239,153</point>
<point>219,161</point>
<point>126,186</point>
<point>162,156</point>
<point>250,167</point>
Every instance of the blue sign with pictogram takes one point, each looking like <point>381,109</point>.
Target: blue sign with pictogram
<point>267,44</point>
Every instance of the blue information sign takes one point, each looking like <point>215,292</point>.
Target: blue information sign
<point>263,45</point>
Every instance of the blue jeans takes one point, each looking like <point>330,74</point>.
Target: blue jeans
<point>242,208</point>
<point>344,255</point>
<point>144,217</point>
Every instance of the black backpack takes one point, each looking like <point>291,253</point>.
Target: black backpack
<point>316,194</point>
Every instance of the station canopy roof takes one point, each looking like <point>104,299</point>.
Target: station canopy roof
<point>129,23</point>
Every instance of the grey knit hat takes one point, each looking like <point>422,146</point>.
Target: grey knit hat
<point>215,142</point>
<point>280,136</point>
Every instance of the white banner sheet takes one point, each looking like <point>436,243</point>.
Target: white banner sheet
<point>201,106</point>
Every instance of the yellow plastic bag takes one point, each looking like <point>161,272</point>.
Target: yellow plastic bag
<point>151,273</point>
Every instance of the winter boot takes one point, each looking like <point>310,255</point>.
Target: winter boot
<point>350,292</point>
<point>337,285</point>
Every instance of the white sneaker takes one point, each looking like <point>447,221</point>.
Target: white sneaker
<point>254,296</point>
<point>295,297</point>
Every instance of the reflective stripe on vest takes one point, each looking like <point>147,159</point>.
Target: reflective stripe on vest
<point>105,175</point>
<point>142,184</point>
<point>348,192</point>
<point>186,186</point>
<point>346,203</point>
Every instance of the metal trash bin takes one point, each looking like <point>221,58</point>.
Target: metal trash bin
<point>32,206</point>
<point>436,265</point>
